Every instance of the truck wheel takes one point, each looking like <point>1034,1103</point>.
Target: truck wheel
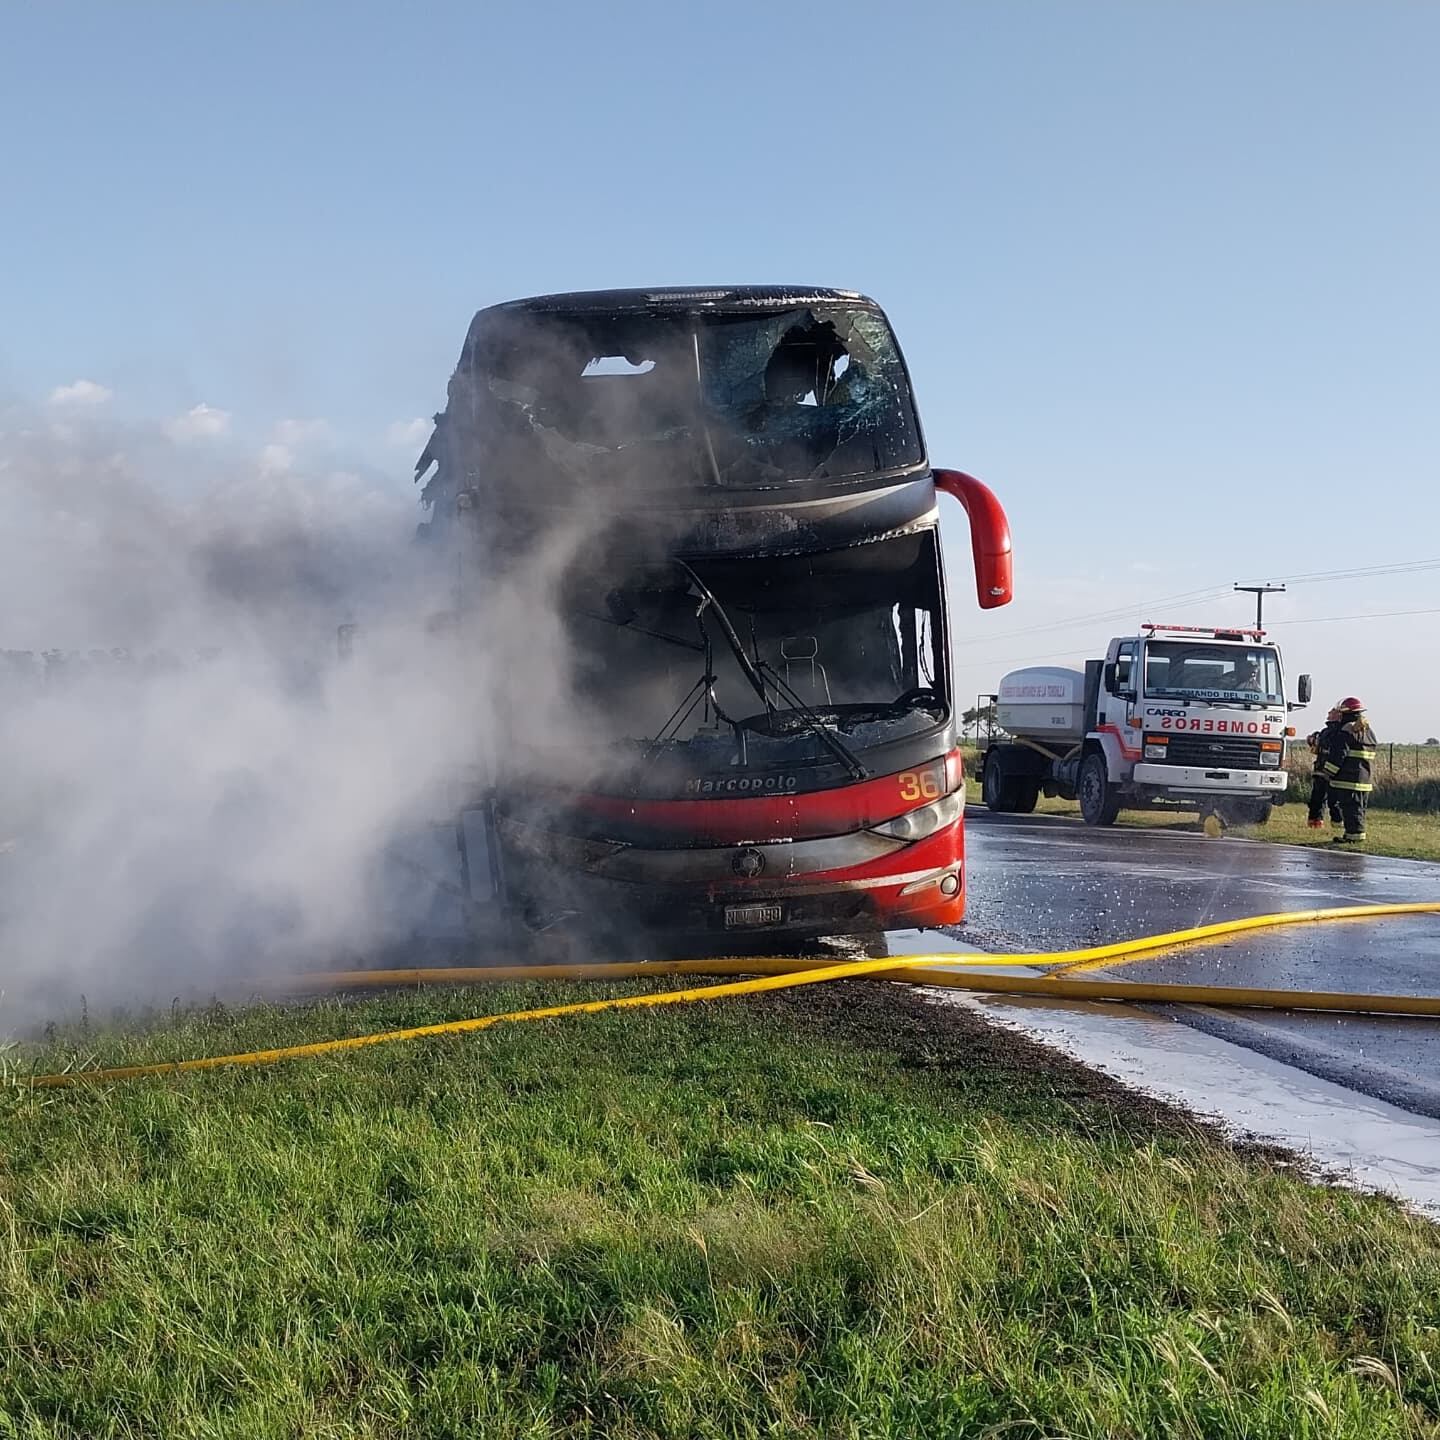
<point>1027,794</point>
<point>1099,799</point>
<point>996,787</point>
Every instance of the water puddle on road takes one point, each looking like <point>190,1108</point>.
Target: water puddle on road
<point>1346,1136</point>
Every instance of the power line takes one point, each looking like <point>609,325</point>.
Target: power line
<point>1403,567</point>
<point>1122,612</point>
<point>1198,597</point>
<point>1081,650</point>
<point>1338,619</point>
<point>1023,659</point>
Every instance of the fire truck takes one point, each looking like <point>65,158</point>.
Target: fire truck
<point>1181,715</point>
<point>728,494</point>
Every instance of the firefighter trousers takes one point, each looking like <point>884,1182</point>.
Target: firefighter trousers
<point>1323,798</point>
<point>1352,807</point>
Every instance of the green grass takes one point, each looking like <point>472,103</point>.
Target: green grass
<point>1407,778</point>
<point>812,1215</point>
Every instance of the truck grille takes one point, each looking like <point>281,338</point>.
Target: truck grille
<point>1213,752</point>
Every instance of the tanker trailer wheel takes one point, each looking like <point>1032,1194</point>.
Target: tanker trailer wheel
<point>1099,799</point>
<point>997,788</point>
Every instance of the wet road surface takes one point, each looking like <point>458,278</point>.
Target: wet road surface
<point>1051,883</point>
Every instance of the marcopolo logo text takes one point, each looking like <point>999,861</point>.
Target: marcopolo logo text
<point>744,785</point>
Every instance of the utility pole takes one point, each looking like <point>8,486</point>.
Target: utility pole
<point>1260,592</point>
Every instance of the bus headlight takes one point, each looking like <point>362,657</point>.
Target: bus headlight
<point>918,824</point>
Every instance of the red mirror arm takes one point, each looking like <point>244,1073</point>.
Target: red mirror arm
<point>989,536</point>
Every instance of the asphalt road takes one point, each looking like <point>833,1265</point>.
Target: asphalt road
<point>1052,883</point>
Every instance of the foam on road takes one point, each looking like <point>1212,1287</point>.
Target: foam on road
<point>1052,883</point>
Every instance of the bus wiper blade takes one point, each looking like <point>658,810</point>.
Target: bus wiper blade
<point>754,675</point>
<point>680,640</point>
<point>747,667</point>
<point>817,726</point>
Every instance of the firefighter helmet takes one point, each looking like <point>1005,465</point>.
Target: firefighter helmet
<point>1351,706</point>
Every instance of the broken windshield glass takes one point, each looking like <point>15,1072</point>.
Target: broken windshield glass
<point>675,400</point>
<point>849,639</point>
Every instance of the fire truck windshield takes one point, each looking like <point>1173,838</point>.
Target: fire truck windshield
<point>1204,670</point>
<point>668,398</point>
<point>848,642</point>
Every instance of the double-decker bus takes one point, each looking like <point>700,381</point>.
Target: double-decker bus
<point>722,502</point>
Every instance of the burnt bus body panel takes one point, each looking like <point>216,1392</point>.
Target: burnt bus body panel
<point>750,433</point>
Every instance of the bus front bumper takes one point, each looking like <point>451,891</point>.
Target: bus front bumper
<point>839,885</point>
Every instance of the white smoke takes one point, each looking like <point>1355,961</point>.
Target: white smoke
<point>192,788</point>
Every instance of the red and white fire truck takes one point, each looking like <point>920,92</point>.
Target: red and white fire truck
<point>1187,715</point>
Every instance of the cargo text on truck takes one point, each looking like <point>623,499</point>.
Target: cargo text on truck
<point>764,737</point>
<point>1178,715</point>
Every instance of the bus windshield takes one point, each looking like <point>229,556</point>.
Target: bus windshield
<point>1204,670</point>
<point>849,642</point>
<point>661,398</point>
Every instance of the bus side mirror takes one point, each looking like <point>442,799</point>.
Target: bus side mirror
<point>989,536</point>
<point>1303,690</point>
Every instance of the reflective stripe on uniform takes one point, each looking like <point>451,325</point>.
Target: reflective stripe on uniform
<point>1362,786</point>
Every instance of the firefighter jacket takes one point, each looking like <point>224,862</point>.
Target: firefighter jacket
<point>1350,757</point>
<point>1321,740</point>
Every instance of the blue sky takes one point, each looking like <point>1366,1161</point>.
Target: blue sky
<point>1165,275</point>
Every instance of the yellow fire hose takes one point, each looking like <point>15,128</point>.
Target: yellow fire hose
<point>779,973</point>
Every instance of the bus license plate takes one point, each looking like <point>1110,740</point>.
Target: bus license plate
<point>737,916</point>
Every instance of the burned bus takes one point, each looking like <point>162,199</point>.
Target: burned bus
<point>701,529</point>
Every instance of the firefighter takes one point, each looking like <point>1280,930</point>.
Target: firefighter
<point>1322,797</point>
<point>1349,762</point>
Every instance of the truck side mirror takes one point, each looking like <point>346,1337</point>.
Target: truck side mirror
<point>1108,679</point>
<point>1303,690</point>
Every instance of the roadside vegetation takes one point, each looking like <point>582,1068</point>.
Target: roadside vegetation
<point>835,1212</point>
<point>1407,778</point>
<point>1403,819</point>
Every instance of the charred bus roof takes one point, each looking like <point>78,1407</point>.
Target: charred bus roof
<point>682,298</point>
<point>726,401</point>
<point>676,300</point>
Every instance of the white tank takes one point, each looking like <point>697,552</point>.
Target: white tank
<point>1044,702</point>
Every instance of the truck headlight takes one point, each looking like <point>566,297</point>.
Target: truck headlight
<point>1156,752</point>
<point>918,824</point>
<point>1270,758</point>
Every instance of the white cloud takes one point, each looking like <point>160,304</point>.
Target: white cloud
<point>82,392</point>
<point>203,422</point>
<point>407,433</point>
<point>301,432</point>
<point>276,459</point>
